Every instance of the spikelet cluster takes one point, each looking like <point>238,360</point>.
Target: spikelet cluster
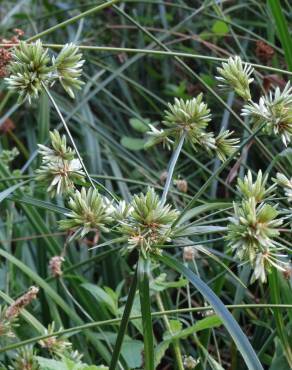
<point>286,184</point>
<point>191,118</point>
<point>31,68</point>
<point>236,75</point>
<point>146,222</point>
<point>275,111</point>
<point>25,360</point>
<point>254,227</point>
<point>59,169</point>
<point>89,211</point>
<point>68,66</point>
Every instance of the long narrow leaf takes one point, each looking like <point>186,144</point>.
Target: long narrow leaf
<point>124,323</point>
<point>229,322</point>
<point>143,276</point>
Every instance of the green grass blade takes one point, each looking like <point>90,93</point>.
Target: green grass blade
<point>283,30</point>
<point>143,277</point>
<point>5,193</point>
<point>231,325</point>
<point>124,323</point>
<point>280,325</point>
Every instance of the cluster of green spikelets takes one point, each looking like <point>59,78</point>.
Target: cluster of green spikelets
<point>254,227</point>
<point>32,68</point>
<point>146,222</point>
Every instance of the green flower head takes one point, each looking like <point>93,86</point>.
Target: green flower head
<point>29,70</point>
<point>147,223</point>
<point>59,168</point>
<point>274,109</point>
<point>225,145</point>
<point>251,234</point>
<point>59,149</point>
<point>68,66</point>
<point>88,211</point>
<point>236,75</point>
<point>26,358</point>
<point>256,189</point>
<point>192,118</point>
<point>286,184</point>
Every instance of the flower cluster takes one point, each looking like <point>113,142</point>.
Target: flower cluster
<point>68,66</point>
<point>55,266</point>
<point>25,360</point>
<point>254,227</point>
<point>249,189</point>
<point>274,110</point>
<point>191,118</point>
<point>31,69</point>
<point>5,52</point>
<point>88,211</point>
<point>57,346</point>
<point>9,315</point>
<point>236,75</point>
<point>59,168</point>
<point>286,184</point>
<point>146,222</point>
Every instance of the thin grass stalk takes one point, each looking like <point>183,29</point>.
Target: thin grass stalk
<point>55,105</point>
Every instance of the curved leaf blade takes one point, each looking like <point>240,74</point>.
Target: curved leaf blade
<point>229,322</point>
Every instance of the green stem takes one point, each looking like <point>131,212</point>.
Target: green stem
<point>77,329</point>
<point>280,325</point>
<point>171,167</point>
<point>162,52</point>
<point>144,291</point>
<point>124,323</point>
<point>175,344</point>
<point>72,20</point>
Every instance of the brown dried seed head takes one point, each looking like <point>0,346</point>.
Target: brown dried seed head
<point>163,177</point>
<point>55,265</point>
<point>15,308</point>
<point>264,51</point>
<point>182,185</point>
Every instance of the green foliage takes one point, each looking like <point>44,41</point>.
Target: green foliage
<point>108,210</point>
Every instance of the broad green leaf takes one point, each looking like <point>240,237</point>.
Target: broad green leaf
<point>198,230</point>
<point>194,212</point>
<point>132,143</point>
<point>139,125</point>
<point>160,351</point>
<point>65,364</point>
<point>279,360</point>
<point>220,28</point>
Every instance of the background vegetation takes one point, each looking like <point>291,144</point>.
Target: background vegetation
<point>139,56</point>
